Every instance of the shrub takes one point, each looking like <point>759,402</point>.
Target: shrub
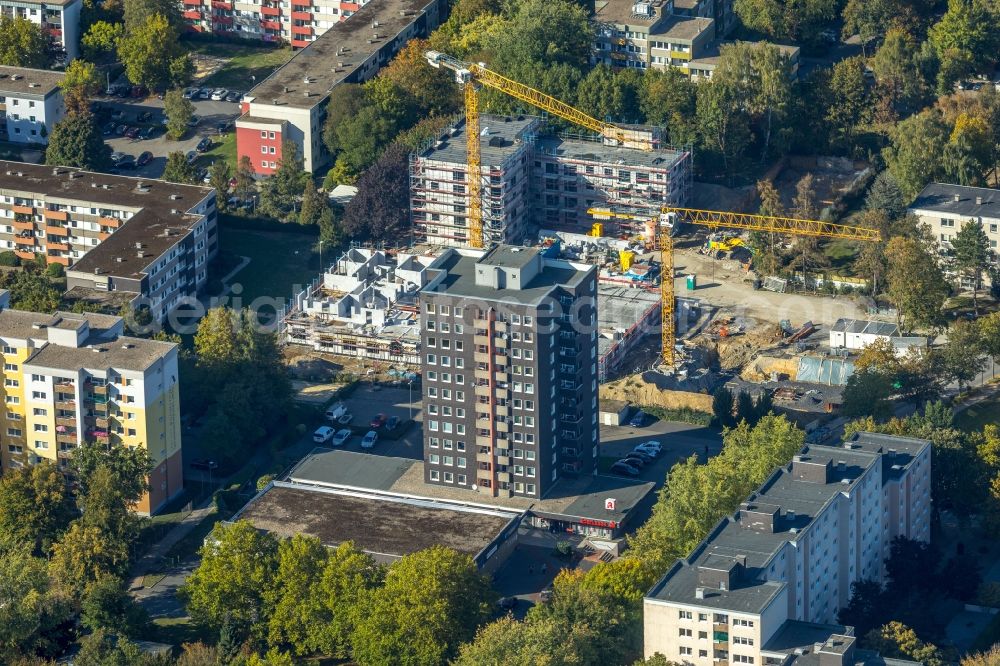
<point>55,270</point>
<point>9,259</point>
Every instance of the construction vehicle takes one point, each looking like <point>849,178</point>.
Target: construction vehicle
<point>725,244</point>
<point>662,227</point>
<point>471,76</point>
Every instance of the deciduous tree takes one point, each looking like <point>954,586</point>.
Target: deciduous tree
<point>83,556</point>
<point>281,193</point>
<point>912,140</point>
<point>219,175</point>
<point>152,54</point>
<point>179,112</point>
<point>36,505</point>
<point>380,209</point>
<point>22,43</point>
<point>897,640</point>
<point>80,83</point>
<point>915,283</point>
<point>972,255</point>
<point>178,169</point>
<point>100,42</point>
<point>76,141</point>
<point>431,602</point>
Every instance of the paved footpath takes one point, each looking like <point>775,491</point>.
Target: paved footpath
<point>152,560</point>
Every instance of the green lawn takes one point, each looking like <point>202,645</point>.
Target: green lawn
<point>278,261</point>
<point>978,415</point>
<point>244,63</point>
<point>840,253</point>
<point>222,149</point>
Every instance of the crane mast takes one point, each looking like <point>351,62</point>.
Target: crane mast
<point>472,75</point>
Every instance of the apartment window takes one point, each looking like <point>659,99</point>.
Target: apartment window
<point>684,615</point>
<point>12,400</point>
<point>38,411</point>
<point>8,350</point>
<point>12,416</point>
<point>263,134</point>
<point>737,622</point>
<point>263,164</point>
<point>742,640</point>
<point>9,366</point>
<point>13,432</point>
<point>687,633</point>
<point>41,444</point>
<point>41,427</point>
<point>11,382</point>
<point>434,458</point>
<point>131,432</point>
<point>435,475</point>
<point>742,659</point>
<point>685,651</point>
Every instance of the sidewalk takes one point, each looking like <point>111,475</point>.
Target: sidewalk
<point>153,557</point>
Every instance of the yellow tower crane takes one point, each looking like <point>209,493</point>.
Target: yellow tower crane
<point>664,225</point>
<point>473,75</point>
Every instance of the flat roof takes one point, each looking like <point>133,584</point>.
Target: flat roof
<point>28,81</point>
<point>24,325</point>
<point>500,137</point>
<point>618,310</point>
<point>350,42</point>
<point>866,327</point>
<point>582,497</point>
<point>154,224</point>
<point>940,198</point>
<point>797,503</point>
<point>379,524</point>
<point>623,12</point>
<point>509,256</point>
<point>683,27</point>
<point>598,152</point>
<point>123,353</point>
<point>713,52</point>
<point>460,279</point>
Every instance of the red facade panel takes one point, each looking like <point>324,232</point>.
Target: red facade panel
<point>257,145</point>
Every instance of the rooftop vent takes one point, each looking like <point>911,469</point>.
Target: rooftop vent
<point>105,186</point>
<point>979,201</point>
<point>790,514</point>
<point>307,94</point>
<point>97,350</point>
<point>175,197</point>
<point>34,85</point>
<point>841,465</point>
<point>20,174</point>
<point>845,482</point>
<point>284,88</point>
<point>120,260</point>
<point>16,77</point>
<point>97,271</point>
<point>307,79</point>
<point>699,593</point>
<point>956,198</point>
<point>128,345</point>
<point>174,211</point>
<point>139,246</point>
<point>94,185</point>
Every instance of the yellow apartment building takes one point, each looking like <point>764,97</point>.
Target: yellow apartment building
<point>71,379</point>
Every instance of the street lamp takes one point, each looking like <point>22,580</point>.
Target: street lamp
<point>409,403</point>
<point>321,257</point>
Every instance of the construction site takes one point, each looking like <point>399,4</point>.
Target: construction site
<point>682,309</point>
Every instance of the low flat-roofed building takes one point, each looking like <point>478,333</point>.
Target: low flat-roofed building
<point>792,550</point>
<point>857,334</point>
<point>148,238</point>
<point>579,505</point>
<point>387,526</point>
<point>31,102</point>
<point>704,65</point>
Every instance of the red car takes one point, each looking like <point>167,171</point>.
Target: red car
<point>132,132</point>
<point>377,421</point>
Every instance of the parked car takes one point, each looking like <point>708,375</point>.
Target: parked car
<point>192,155</point>
<point>652,447</point>
<point>147,132</point>
<point>204,464</point>
<point>195,119</point>
<point>138,91</point>
<point>323,434</point>
<point>204,144</point>
<point>127,162</point>
<point>545,596</point>
<point>145,116</point>
<point>624,469</point>
<point>341,437</point>
<point>377,421</point>
<point>335,411</point>
<point>144,158</point>
<point>507,603</point>
<point>191,93</point>
<point>641,455</point>
<point>132,132</point>
<point>638,421</point>
<point>203,176</point>
<point>115,156</point>
<point>219,94</point>
<point>392,423</point>
<point>109,129</point>
<point>634,462</point>
<point>369,440</point>
<point>344,419</point>
<point>204,93</point>
<point>121,129</point>
<point>233,96</point>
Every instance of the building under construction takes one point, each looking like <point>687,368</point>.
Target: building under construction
<point>533,177</point>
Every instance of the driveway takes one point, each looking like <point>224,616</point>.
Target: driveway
<point>679,441</point>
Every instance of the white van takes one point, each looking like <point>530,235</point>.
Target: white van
<point>335,411</point>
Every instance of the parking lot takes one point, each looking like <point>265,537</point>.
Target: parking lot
<point>368,401</point>
<point>679,441</point>
<point>210,115</point>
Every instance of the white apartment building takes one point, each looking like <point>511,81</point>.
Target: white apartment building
<point>944,208</point>
<point>59,19</point>
<point>297,23</point>
<point>148,240</point>
<point>31,102</point>
<point>787,558</point>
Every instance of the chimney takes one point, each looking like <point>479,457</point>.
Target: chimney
<point>841,466</point>
<point>790,514</point>
<point>956,198</point>
<point>979,201</point>
<point>699,593</point>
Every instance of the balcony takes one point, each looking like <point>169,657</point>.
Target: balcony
<point>192,3</point>
<point>112,222</point>
<point>482,375</point>
<point>24,254</point>
<point>502,426</point>
<point>56,230</point>
<point>300,43</point>
<point>57,247</point>
<point>62,403</point>
<point>503,460</point>
<point>304,30</point>
<point>25,240</point>
<point>482,440</point>
<point>481,340</point>
<point>500,359</point>
<point>192,14</point>
<point>485,424</point>
<point>66,421</point>
<point>23,210</point>
<point>66,437</point>
<point>267,10</point>
<point>503,477</point>
<point>480,357</point>
<point>484,458</point>
<point>99,389</point>
<point>59,215</point>
<point>299,15</point>
<point>720,636</point>
<point>502,410</point>
<point>222,4</point>
<point>65,386</point>
<point>270,25</point>
<point>23,225</point>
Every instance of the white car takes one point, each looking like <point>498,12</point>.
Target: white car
<point>323,434</point>
<point>369,440</point>
<point>652,447</point>
<point>341,437</point>
<point>218,94</point>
